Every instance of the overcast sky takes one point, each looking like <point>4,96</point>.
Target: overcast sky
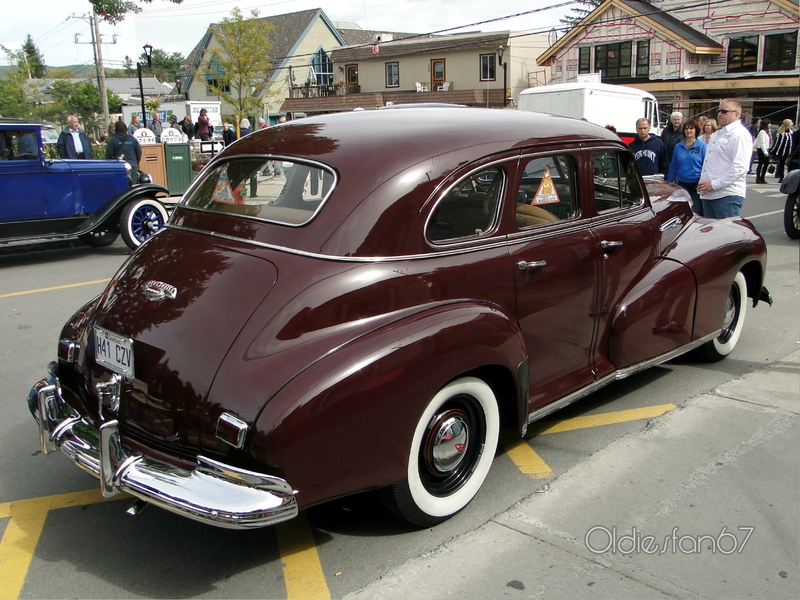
<point>178,27</point>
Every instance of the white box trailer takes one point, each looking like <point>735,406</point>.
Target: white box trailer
<point>599,103</point>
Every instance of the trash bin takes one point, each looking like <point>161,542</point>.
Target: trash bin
<point>178,162</point>
<point>152,163</point>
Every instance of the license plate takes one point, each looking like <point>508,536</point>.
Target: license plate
<point>113,351</point>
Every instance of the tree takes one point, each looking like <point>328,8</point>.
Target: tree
<point>128,66</point>
<point>13,89</point>
<point>34,57</point>
<point>238,71</point>
<point>163,65</point>
<point>580,12</point>
<point>115,11</point>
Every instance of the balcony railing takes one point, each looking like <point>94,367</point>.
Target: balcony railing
<point>323,91</point>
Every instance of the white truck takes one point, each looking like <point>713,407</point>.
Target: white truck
<point>599,103</point>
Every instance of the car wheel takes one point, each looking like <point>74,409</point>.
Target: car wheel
<point>140,220</point>
<point>99,238</point>
<point>791,220</point>
<point>451,452</point>
<point>735,309</point>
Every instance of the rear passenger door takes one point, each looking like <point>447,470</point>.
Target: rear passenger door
<point>554,254</point>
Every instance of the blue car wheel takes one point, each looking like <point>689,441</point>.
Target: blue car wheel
<point>140,220</point>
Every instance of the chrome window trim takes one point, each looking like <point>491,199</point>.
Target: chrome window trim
<point>217,164</point>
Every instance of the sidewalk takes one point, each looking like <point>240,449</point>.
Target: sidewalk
<point>707,495</point>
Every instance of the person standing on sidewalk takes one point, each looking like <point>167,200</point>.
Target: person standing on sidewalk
<point>672,134</point>
<point>648,150</point>
<point>687,162</point>
<point>156,126</point>
<point>762,146</point>
<point>782,148</point>
<point>723,180</point>
<point>73,141</point>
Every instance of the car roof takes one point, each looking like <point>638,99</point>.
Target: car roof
<point>9,122</point>
<point>390,162</point>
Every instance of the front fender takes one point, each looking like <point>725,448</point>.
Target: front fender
<point>111,211</point>
<point>346,423</point>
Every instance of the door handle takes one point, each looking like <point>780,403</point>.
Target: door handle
<point>524,265</point>
<point>606,244</point>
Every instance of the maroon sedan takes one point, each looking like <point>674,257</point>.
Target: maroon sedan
<point>362,301</point>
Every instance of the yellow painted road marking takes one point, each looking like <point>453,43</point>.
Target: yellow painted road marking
<point>24,529</point>
<point>526,459</point>
<point>585,422</point>
<point>302,570</point>
<point>52,289</point>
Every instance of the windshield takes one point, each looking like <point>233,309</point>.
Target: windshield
<point>281,191</point>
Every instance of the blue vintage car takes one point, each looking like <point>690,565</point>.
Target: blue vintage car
<point>54,198</point>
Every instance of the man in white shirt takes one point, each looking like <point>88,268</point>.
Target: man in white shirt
<point>73,141</point>
<point>723,180</point>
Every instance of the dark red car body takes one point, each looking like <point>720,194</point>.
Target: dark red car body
<point>329,338</point>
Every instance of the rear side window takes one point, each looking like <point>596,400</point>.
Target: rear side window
<point>616,185</point>
<point>19,145</point>
<point>279,191</point>
<point>469,208</point>
<point>547,192</point>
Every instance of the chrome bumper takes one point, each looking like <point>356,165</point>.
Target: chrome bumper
<point>213,493</point>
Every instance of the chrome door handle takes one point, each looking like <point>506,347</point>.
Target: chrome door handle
<point>606,244</point>
<point>524,265</point>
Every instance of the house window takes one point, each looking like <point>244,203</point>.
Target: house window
<point>213,82</point>
<point>613,60</point>
<point>323,67</point>
<point>780,52</point>
<point>643,58</point>
<point>743,54</point>
<point>352,73</point>
<point>488,67</point>
<point>585,60</point>
<point>392,74</point>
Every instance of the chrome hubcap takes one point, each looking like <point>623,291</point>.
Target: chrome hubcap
<point>450,443</point>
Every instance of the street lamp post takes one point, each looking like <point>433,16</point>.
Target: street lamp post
<point>500,51</point>
<point>148,52</point>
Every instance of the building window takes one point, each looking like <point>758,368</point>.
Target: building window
<point>392,74</point>
<point>352,73</point>
<point>643,58</point>
<point>743,54</point>
<point>323,67</point>
<point>613,60</point>
<point>212,82</point>
<point>780,52</point>
<point>585,60</point>
<point>488,67</point>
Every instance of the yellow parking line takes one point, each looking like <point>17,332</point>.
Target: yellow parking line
<point>622,416</point>
<point>23,530</point>
<point>526,459</point>
<point>58,287</point>
<point>302,569</point>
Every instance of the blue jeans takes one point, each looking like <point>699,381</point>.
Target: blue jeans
<point>720,208</point>
<point>697,203</point>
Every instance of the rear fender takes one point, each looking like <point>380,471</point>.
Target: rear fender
<point>346,423</point>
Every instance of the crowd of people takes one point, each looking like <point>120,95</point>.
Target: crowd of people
<point>711,158</point>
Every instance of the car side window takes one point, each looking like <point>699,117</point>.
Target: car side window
<point>547,192</point>
<point>616,185</point>
<point>469,208</point>
<point>18,145</point>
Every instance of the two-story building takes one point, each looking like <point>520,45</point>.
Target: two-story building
<point>690,55</point>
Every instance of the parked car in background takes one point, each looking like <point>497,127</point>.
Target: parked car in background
<point>791,218</point>
<point>54,198</point>
<point>369,319</point>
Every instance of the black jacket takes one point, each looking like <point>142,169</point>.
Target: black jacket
<point>229,136</point>
<point>125,147</point>
<point>671,138</point>
<point>66,145</point>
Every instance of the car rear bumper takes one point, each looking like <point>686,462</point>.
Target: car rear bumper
<point>213,493</point>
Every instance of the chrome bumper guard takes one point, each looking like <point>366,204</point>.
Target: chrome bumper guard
<point>213,493</point>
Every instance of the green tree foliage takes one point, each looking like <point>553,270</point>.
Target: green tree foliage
<point>580,12</point>
<point>128,66</point>
<point>13,97</point>
<point>115,11</point>
<point>34,57</point>
<point>239,69</point>
<point>164,66</point>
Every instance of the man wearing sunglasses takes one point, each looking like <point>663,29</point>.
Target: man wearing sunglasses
<point>723,180</point>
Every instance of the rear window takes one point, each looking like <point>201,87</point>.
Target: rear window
<point>280,191</point>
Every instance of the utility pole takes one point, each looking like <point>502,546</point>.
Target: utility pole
<point>98,63</point>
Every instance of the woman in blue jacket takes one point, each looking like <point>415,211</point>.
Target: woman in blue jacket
<point>687,162</point>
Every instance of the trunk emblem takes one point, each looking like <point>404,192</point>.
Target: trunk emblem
<point>158,290</point>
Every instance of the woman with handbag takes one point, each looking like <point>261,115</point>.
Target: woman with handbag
<point>762,145</point>
<point>782,148</point>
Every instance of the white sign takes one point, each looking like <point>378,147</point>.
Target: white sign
<point>144,136</point>
<point>211,147</point>
<point>171,136</point>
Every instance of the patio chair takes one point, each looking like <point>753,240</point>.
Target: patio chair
<point>445,87</point>
<point>421,87</point>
